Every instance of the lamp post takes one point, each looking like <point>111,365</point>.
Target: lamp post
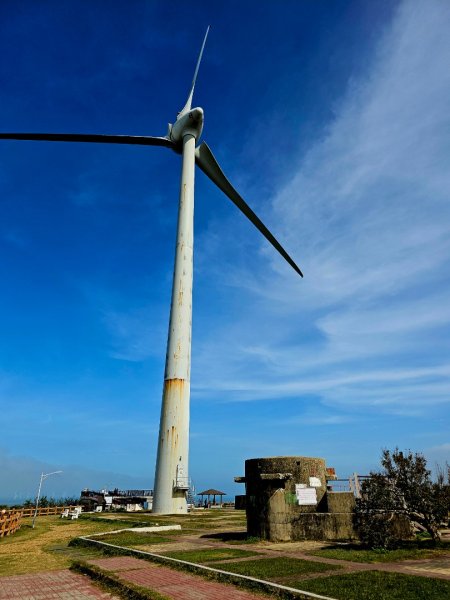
<point>43,476</point>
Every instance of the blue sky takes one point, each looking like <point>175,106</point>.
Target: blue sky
<point>332,120</point>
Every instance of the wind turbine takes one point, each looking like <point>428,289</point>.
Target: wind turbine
<point>171,475</point>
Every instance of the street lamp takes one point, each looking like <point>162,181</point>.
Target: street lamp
<point>43,476</point>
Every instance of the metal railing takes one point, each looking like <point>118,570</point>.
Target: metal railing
<point>129,493</point>
<point>352,484</point>
<point>182,483</point>
<point>117,493</point>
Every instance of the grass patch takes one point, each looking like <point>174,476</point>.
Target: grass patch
<point>408,551</point>
<point>119,522</point>
<point>130,538</point>
<point>44,548</point>
<point>377,585</point>
<point>274,568</point>
<point>217,519</point>
<point>208,555</point>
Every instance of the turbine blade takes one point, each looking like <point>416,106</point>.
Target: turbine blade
<point>209,165</point>
<point>139,140</point>
<point>187,106</point>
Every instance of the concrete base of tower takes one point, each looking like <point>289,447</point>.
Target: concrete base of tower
<point>175,505</point>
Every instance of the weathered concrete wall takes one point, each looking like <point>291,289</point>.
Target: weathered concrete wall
<point>240,502</point>
<point>323,526</point>
<point>338,502</point>
<point>273,512</point>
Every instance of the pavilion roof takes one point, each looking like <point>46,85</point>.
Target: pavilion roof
<point>212,492</point>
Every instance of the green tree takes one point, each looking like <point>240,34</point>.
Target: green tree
<point>43,502</point>
<point>69,501</point>
<point>404,487</point>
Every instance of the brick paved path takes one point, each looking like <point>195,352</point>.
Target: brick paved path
<point>53,585</point>
<point>438,567</point>
<point>169,582</point>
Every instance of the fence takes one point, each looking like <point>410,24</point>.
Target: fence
<point>10,521</point>
<point>44,511</point>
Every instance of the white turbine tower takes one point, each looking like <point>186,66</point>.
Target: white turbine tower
<point>171,475</point>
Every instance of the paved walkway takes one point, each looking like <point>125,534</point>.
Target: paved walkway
<point>178,585</point>
<point>438,567</point>
<point>66,585</point>
<point>169,582</point>
<point>53,585</point>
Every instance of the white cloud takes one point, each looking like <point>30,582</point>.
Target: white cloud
<point>368,213</point>
<point>369,203</point>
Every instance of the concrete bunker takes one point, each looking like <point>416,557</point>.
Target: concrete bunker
<point>287,499</point>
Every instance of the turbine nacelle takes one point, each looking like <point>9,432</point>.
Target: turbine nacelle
<point>189,123</point>
<point>170,487</point>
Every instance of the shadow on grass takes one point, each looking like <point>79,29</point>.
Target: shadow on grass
<point>231,537</point>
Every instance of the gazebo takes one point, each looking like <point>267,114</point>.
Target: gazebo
<point>214,493</point>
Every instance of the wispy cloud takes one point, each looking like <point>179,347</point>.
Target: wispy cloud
<point>367,209</point>
<point>133,334</point>
<point>134,331</point>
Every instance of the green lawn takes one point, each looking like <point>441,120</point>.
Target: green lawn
<point>376,585</point>
<point>45,548</point>
<point>131,538</point>
<point>216,519</point>
<point>207,555</point>
<point>413,550</point>
<point>273,568</point>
